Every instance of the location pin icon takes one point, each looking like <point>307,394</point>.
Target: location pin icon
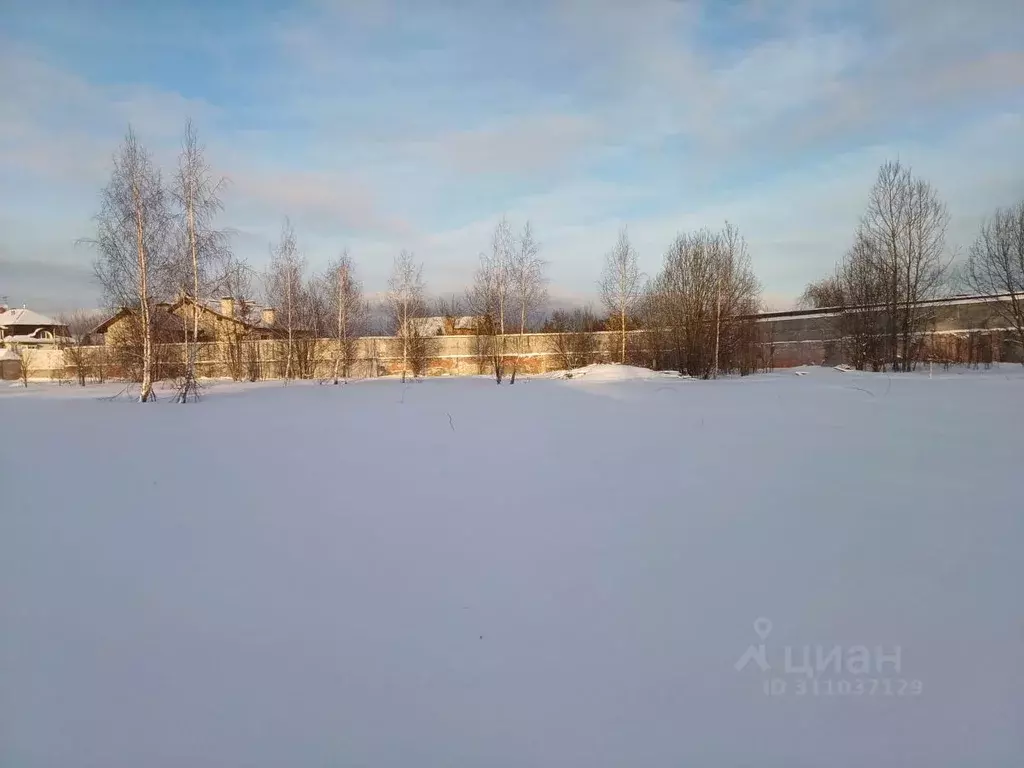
<point>763,627</point>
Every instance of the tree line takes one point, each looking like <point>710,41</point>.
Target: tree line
<point>156,238</point>
<point>899,261</point>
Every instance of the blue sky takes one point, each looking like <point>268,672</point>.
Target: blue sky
<point>389,124</point>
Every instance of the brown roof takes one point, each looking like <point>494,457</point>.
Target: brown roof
<point>255,322</point>
<point>163,319</point>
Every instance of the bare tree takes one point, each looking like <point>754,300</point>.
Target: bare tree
<point>905,227</point>
<point>699,301</point>
<point>861,320</point>
<point>821,294</point>
<point>406,302</point>
<point>80,325</point>
<point>488,298</point>
<point>196,195</point>
<point>316,319</point>
<point>235,279</point>
<point>450,310</point>
<point>995,266</point>
<point>26,354</point>
<point>500,267</point>
<point>573,342</point>
<point>484,341</point>
<point>897,263</point>
<point>131,242</point>
<point>652,346</point>
<point>348,309</point>
<point>737,299</point>
<point>527,283</point>
<point>284,288</point>
<point>621,286</point>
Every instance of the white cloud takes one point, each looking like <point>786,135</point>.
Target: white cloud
<point>530,145</point>
<point>580,115</point>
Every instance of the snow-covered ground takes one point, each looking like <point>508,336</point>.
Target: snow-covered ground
<point>559,573</point>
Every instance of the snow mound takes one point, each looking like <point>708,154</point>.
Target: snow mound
<point>613,372</point>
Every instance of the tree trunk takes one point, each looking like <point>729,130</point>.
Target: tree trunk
<point>192,349</point>
<point>622,352</point>
<point>718,326</point>
<point>337,359</point>
<point>146,389</point>
<point>288,364</point>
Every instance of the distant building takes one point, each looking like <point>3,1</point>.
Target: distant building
<point>222,319</point>
<point>10,365</point>
<point>123,325</point>
<point>30,328</point>
<point>230,318</point>
<point>467,325</point>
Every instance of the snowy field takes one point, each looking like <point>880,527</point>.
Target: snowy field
<point>558,573</point>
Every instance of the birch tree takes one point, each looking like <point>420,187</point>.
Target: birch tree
<point>527,286</point>
<point>196,195</point>
<point>621,286</point>
<point>406,303</point>
<point>488,298</point>
<point>995,266</point>
<point>236,278</point>
<point>80,325</point>
<point>699,299</point>
<point>499,265</point>
<point>348,311</point>
<point>132,242</point>
<point>284,288</point>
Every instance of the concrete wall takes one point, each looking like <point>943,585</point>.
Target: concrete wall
<point>961,328</point>
<point>42,363</point>
<point>964,330</point>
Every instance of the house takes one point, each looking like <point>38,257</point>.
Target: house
<point>426,326</point>
<point>10,365</point>
<point>230,318</point>
<point>123,326</point>
<point>25,326</point>
<point>223,319</point>
<point>446,325</point>
<point>467,325</point>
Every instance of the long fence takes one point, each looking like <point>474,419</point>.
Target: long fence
<point>962,329</point>
<point>369,356</point>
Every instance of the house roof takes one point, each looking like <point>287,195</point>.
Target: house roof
<point>24,316</point>
<point>427,326</point>
<point>163,319</point>
<point>254,317</point>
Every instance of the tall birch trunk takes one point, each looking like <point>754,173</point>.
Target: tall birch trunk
<point>146,390</point>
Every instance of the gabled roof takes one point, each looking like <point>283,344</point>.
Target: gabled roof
<point>427,326</point>
<point>24,316</point>
<point>255,319</point>
<point>162,319</point>
<point>102,327</point>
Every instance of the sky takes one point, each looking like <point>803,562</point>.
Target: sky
<point>382,125</point>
